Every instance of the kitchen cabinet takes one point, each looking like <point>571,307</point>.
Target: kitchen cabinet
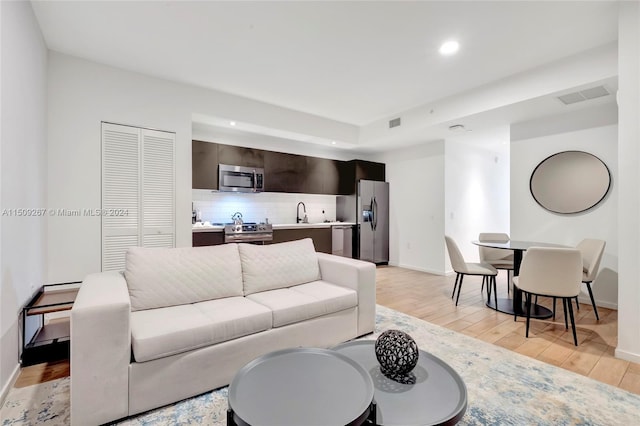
<point>321,237</point>
<point>240,156</point>
<point>200,239</point>
<point>355,170</point>
<point>204,165</point>
<point>369,170</point>
<point>284,172</point>
<point>301,174</point>
<point>323,176</point>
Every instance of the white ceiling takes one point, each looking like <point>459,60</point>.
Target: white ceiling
<point>354,62</point>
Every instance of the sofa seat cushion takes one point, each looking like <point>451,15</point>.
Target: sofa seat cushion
<point>279,265</point>
<point>161,277</point>
<point>157,333</point>
<point>305,301</point>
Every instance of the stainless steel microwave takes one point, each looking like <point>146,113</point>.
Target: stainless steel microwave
<point>240,179</point>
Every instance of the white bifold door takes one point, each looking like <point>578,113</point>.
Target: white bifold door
<point>138,191</point>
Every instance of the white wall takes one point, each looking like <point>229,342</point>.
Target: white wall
<point>23,173</point>
<point>629,188</point>
<point>459,187</point>
<point>529,221</point>
<point>84,93</point>
<point>416,199</point>
<point>476,188</point>
<point>247,139</point>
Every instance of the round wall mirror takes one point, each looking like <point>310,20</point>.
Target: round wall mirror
<point>570,182</point>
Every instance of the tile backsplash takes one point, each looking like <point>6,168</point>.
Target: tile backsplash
<point>218,207</point>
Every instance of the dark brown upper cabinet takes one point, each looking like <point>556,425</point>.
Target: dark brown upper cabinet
<point>204,165</point>
<point>283,172</point>
<point>355,170</point>
<point>369,170</point>
<point>240,156</point>
<point>323,176</point>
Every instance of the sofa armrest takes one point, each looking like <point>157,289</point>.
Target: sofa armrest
<point>100,350</point>
<point>356,275</point>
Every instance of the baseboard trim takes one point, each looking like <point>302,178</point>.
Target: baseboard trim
<point>599,303</point>
<point>627,356</point>
<point>416,268</point>
<point>7,386</point>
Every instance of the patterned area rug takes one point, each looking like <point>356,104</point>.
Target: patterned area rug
<point>504,388</point>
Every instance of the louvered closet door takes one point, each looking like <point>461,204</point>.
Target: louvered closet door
<point>138,191</point>
<point>158,189</point>
<point>120,193</point>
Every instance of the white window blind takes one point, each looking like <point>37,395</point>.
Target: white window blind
<point>138,191</point>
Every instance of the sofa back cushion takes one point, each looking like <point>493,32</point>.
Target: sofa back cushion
<point>160,277</point>
<point>278,265</point>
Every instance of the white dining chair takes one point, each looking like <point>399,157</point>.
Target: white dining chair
<point>498,258</point>
<point>462,268</point>
<point>592,251</point>
<point>553,272</point>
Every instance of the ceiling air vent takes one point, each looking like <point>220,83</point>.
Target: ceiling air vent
<point>394,123</point>
<point>583,95</point>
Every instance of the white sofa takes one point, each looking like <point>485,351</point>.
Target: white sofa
<point>183,321</point>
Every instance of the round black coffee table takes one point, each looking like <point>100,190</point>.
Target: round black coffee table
<point>438,396</point>
<point>303,386</point>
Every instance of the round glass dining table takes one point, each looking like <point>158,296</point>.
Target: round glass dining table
<point>515,305</point>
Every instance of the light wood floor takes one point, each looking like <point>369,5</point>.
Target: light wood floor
<point>428,297</point>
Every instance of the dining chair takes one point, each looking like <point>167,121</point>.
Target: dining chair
<point>592,251</point>
<point>462,268</point>
<point>498,258</point>
<point>553,272</point>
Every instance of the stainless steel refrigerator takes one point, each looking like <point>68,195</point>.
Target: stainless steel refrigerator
<point>369,209</point>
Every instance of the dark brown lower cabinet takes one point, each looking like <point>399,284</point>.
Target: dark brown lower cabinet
<point>321,237</point>
<point>207,238</point>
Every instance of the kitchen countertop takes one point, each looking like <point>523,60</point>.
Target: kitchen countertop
<point>276,226</point>
<point>309,225</point>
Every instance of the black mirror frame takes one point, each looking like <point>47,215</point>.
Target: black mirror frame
<point>578,211</point>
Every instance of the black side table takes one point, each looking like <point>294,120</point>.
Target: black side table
<point>50,342</point>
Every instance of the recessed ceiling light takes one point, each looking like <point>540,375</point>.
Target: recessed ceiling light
<point>449,47</point>
<point>233,123</point>
<point>333,142</point>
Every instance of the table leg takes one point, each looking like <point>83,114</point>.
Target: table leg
<point>373,416</point>
<point>517,260</point>
<point>230,421</point>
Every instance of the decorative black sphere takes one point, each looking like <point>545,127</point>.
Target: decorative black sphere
<point>396,352</point>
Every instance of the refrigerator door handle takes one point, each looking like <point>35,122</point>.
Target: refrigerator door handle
<point>372,213</point>
<point>375,213</point>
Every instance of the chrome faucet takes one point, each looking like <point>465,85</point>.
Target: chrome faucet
<point>304,210</point>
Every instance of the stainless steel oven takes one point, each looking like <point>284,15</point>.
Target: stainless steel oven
<point>240,179</point>
<point>257,233</point>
